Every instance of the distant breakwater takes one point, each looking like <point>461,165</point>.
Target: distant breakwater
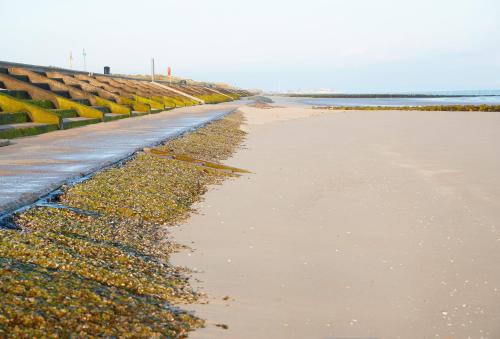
<point>462,108</point>
<point>377,96</point>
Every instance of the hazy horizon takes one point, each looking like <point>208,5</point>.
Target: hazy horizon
<point>338,45</point>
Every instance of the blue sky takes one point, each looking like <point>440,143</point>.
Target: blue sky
<point>343,45</point>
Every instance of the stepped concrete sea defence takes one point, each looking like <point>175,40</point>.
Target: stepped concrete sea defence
<point>76,92</point>
<point>36,99</point>
<point>51,99</point>
<point>102,96</point>
<point>19,118</point>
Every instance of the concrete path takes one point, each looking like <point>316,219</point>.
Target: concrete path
<point>34,166</point>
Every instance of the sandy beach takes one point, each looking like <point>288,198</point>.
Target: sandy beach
<point>359,224</point>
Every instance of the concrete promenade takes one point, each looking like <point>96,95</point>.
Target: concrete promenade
<point>34,166</point>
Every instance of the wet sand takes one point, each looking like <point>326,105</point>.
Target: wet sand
<point>359,224</point>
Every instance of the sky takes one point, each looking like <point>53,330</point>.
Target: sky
<point>274,45</point>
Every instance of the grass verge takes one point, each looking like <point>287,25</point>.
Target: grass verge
<point>101,268</point>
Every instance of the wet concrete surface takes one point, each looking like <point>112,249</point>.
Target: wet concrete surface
<point>34,166</point>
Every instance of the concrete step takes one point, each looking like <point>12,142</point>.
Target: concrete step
<point>113,116</point>
<point>16,94</point>
<point>101,108</point>
<point>139,114</point>
<point>85,102</point>
<point>154,110</point>
<point>7,118</point>
<point>4,142</point>
<point>65,113</point>
<point>45,104</point>
<point>24,78</point>
<point>64,94</point>
<point>58,79</point>
<point>41,85</point>
<point>78,121</point>
<point>24,129</point>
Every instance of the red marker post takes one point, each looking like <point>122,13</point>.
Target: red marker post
<point>169,75</point>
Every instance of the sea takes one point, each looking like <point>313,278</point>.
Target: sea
<point>487,97</point>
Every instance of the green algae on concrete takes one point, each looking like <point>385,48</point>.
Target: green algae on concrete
<point>213,98</point>
<point>13,118</point>
<point>79,122</point>
<point>114,116</point>
<point>106,272</point>
<point>47,104</point>
<point>64,113</point>
<point>25,129</point>
<point>36,114</point>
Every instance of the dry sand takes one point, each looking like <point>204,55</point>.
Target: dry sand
<point>357,224</point>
